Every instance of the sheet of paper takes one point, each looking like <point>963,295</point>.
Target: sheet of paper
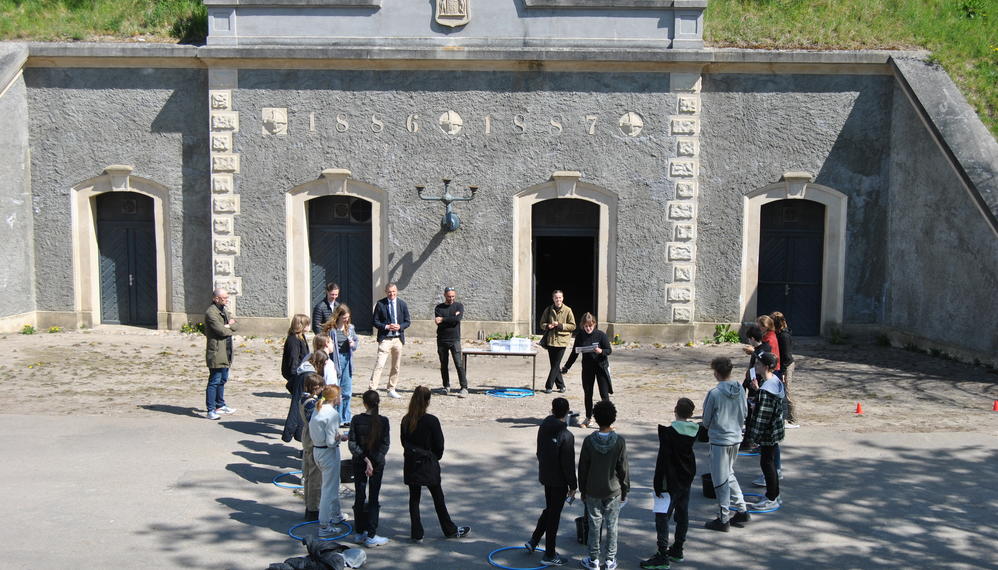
<point>661,503</point>
<point>751,373</point>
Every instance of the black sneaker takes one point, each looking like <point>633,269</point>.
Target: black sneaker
<point>675,554</point>
<point>462,531</point>
<point>716,524</point>
<point>657,562</point>
<point>530,546</point>
<point>740,518</point>
<point>553,560</point>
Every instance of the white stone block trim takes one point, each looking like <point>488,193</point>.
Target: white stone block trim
<point>684,171</point>
<point>223,124</point>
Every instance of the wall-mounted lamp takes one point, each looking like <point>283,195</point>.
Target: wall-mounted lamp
<point>450,221</point>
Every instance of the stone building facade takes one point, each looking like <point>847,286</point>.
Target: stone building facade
<point>666,187</point>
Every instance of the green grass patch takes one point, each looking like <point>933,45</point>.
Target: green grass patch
<point>87,20</point>
<point>961,34</point>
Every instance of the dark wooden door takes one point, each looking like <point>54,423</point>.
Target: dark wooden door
<point>126,242</point>
<point>339,240</point>
<point>790,263</point>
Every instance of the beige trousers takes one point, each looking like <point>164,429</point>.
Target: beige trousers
<point>388,347</point>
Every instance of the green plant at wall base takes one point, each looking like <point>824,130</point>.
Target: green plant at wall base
<point>723,334</point>
<point>499,336</point>
<point>55,329</point>
<point>617,340</point>
<point>27,329</point>
<point>192,328</point>
<point>836,336</point>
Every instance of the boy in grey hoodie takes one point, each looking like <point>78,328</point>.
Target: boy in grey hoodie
<point>603,484</point>
<point>724,412</point>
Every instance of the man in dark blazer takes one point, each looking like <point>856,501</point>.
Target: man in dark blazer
<point>391,318</point>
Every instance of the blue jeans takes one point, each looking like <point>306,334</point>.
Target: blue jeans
<point>346,387</point>
<point>215,395</point>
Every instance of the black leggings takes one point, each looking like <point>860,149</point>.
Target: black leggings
<point>589,377</point>
<point>365,501</point>
<point>554,376</point>
<point>767,460</point>
<point>446,525</point>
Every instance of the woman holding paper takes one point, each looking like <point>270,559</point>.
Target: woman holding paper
<point>595,347</point>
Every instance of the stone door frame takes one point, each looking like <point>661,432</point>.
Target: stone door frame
<point>563,184</point>
<point>797,186</point>
<point>86,263</point>
<point>332,182</point>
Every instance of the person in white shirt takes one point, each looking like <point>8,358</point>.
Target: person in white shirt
<point>324,429</point>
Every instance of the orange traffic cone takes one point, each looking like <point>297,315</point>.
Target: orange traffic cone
<point>859,409</point>
<point>994,408</point>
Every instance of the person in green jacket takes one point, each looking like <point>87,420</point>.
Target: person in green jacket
<point>557,323</point>
<point>218,329</point>
<point>603,484</point>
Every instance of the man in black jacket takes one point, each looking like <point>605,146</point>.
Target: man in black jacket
<point>390,319</point>
<point>447,316</point>
<point>556,466</point>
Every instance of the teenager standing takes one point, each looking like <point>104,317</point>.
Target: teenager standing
<point>556,471</point>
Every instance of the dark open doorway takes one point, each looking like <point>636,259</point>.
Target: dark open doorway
<point>790,263</point>
<point>565,234</point>
<point>339,241</point>
<point>126,242</point>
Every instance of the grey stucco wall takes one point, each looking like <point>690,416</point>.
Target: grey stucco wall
<point>943,268</point>
<point>755,128</point>
<point>17,275</point>
<point>156,120</point>
<point>477,259</point>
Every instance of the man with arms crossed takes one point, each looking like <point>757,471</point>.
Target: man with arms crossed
<point>448,316</point>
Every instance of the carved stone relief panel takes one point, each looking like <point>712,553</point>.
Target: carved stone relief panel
<point>275,121</point>
<point>452,13</point>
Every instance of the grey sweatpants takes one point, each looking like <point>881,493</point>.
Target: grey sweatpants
<point>722,471</point>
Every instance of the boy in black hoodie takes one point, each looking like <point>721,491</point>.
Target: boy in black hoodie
<point>556,466</point>
<point>674,471</point>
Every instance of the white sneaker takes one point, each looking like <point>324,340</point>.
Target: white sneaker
<point>767,505</point>
<point>212,415</point>
<point>463,393</point>
<point>610,564</point>
<point>393,394</point>
<point>589,563</point>
<point>789,425</point>
<point>375,540</point>
<point>225,410</point>
<point>328,530</point>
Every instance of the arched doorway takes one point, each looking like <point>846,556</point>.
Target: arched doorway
<point>565,238</point>
<point>791,254</point>
<point>339,243</point>
<point>796,187</point>
<point>126,245</point>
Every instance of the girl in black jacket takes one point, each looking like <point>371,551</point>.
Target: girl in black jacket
<point>295,349</point>
<point>595,367</point>
<point>369,443</point>
<point>423,444</point>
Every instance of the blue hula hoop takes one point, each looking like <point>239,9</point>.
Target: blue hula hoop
<point>286,485</point>
<point>746,454</point>
<point>510,392</point>
<point>497,565</point>
<point>291,531</point>
<point>761,497</point>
